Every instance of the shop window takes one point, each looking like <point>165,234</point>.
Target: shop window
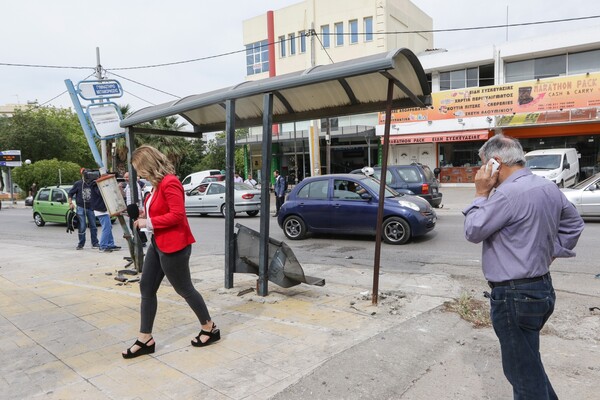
<point>339,33</point>
<point>325,36</point>
<point>537,68</point>
<point>586,61</point>
<point>368,28</point>
<point>468,77</point>
<point>302,41</point>
<point>281,46</point>
<point>353,31</point>
<point>257,57</point>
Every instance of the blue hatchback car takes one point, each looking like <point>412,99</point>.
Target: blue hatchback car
<point>347,204</point>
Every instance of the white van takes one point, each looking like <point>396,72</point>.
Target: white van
<point>193,180</point>
<point>561,166</point>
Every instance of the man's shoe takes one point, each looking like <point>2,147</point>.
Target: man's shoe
<point>79,248</point>
<point>274,215</point>
<point>115,248</point>
<point>107,250</point>
<point>95,246</point>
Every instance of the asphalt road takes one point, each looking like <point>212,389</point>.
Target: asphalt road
<point>442,250</point>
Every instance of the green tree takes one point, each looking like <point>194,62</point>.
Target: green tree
<point>46,133</point>
<point>46,173</point>
<point>214,157</point>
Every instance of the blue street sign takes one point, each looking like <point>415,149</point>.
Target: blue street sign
<point>99,89</point>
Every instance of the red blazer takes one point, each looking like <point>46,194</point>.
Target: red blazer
<point>167,214</point>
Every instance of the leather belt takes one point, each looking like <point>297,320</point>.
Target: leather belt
<point>517,281</point>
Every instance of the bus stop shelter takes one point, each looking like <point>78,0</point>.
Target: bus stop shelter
<point>380,82</point>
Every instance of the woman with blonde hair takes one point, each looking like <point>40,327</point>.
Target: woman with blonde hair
<point>169,252</point>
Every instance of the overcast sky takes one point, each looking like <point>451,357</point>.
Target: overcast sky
<point>141,32</point>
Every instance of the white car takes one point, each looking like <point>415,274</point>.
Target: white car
<point>585,196</point>
<point>209,198</point>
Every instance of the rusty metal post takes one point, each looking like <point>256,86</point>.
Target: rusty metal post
<point>386,142</point>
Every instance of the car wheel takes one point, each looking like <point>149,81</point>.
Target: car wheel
<point>39,221</point>
<point>252,213</point>
<point>223,212</point>
<point>294,228</point>
<point>396,231</point>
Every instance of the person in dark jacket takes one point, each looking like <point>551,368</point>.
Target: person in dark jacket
<point>279,189</point>
<point>82,193</point>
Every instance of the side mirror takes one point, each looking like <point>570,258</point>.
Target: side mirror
<point>566,166</point>
<point>366,196</point>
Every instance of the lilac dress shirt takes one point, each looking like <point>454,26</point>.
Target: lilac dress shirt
<point>524,224</point>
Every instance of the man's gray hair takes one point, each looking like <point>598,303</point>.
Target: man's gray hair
<point>509,150</point>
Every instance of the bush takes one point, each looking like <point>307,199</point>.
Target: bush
<point>46,173</point>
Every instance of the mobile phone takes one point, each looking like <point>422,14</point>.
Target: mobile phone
<point>494,164</point>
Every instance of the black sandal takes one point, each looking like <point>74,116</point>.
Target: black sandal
<point>144,349</point>
<point>213,336</point>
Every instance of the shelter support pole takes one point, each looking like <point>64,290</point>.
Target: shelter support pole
<point>133,239</point>
<point>382,180</point>
<point>229,193</point>
<point>265,204</point>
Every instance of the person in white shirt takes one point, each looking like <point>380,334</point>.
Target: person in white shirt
<point>237,178</point>
<point>250,181</point>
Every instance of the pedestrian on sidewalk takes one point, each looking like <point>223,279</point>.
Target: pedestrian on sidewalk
<point>279,188</point>
<point>250,181</point>
<point>524,225</point>
<point>169,250</point>
<point>82,193</point>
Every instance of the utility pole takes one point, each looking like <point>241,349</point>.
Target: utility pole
<point>102,142</point>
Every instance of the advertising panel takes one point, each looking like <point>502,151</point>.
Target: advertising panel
<point>537,100</point>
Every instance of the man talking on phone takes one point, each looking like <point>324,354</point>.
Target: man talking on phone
<point>524,224</point>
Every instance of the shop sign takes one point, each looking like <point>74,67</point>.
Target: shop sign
<point>548,117</point>
<point>527,97</point>
<point>439,137</point>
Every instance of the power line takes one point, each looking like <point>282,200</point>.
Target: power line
<point>45,66</point>
<point>138,97</point>
<point>329,34</point>
<point>312,32</point>
<point>142,84</point>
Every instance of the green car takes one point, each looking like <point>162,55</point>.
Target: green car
<point>51,205</point>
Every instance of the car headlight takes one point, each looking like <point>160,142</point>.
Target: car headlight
<point>552,175</point>
<point>409,204</point>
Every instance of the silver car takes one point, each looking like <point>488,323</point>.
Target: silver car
<point>209,198</point>
<point>585,196</point>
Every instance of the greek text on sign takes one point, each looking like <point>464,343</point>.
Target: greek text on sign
<point>94,90</point>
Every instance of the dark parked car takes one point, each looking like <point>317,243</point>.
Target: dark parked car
<point>414,178</point>
<point>348,203</point>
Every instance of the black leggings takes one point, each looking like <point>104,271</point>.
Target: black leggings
<point>177,269</point>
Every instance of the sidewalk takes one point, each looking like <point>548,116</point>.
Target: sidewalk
<point>64,321</point>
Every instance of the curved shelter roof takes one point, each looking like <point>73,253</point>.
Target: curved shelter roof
<point>351,87</point>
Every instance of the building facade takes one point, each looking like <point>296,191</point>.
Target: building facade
<point>319,32</point>
<point>545,91</point>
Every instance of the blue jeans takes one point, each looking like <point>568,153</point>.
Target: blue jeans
<point>106,237</point>
<point>518,314</point>
<point>82,213</point>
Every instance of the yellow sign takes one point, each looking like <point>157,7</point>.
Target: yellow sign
<point>540,96</point>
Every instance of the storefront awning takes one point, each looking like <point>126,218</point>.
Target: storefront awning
<point>443,137</point>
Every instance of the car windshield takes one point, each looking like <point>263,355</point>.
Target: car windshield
<point>545,161</point>
<point>373,184</point>
<point>583,184</point>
